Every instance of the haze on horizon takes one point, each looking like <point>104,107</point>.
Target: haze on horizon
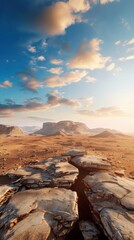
<point>67,60</point>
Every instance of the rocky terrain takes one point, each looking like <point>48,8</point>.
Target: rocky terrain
<point>10,130</point>
<point>70,196</point>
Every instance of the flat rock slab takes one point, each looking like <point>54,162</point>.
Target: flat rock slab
<point>32,213</point>
<point>6,191</point>
<point>89,230</point>
<point>91,162</point>
<point>112,202</point>
<point>53,172</point>
<point>74,153</point>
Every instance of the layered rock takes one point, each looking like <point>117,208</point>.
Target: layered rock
<point>53,172</point>
<point>112,204</point>
<point>35,214</point>
<point>91,162</point>
<point>6,192</point>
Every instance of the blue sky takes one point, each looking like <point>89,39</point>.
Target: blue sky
<point>67,60</point>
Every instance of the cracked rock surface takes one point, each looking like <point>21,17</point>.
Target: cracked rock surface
<point>49,211</point>
<point>112,204</point>
<point>53,172</point>
<point>91,162</point>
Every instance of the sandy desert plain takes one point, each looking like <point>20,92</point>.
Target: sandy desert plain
<point>24,150</point>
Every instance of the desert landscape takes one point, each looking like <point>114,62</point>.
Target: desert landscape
<point>26,149</point>
<point>67,120</point>
<point>66,160</point>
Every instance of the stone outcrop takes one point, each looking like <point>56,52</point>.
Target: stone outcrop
<point>112,204</point>
<point>35,214</point>
<point>91,162</point>
<point>75,152</point>
<point>53,172</point>
<point>11,130</point>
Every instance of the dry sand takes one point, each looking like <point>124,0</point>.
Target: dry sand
<point>23,150</point>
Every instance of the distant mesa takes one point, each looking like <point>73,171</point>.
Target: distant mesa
<point>105,134</point>
<point>63,128</point>
<point>11,130</point>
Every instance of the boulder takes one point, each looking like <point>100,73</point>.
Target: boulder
<point>53,172</point>
<point>36,213</point>
<point>112,204</point>
<point>91,162</point>
<point>74,153</point>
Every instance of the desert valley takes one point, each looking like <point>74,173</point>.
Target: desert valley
<point>73,166</point>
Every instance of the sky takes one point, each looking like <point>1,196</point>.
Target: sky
<point>67,60</point>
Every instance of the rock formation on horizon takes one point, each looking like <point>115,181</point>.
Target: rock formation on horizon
<point>63,127</point>
<point>11,130</point>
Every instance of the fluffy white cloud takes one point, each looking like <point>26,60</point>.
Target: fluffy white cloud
<point>130,42</point>
<point>103,1</point>
<point>55,19</point>
<point>57,71</point>
<point>66,79</point>
<point>6,84</point>
<point>41,58</point>
<point>90,79</point>
<point>79,6</point>
<point>110,67</point>
<point>56,61</point>
<point>123,59</point>
<point>89,57</point>
<point>32,49</point>
<point>33,84</point>
<point>118,42</point>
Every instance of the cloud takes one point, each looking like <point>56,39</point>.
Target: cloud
<point>110,67</point>
<point>56,61</point>
<point>125,23</point>
<point>123,59</point>
<point>89,57</point>
<point>104,112</point>
<point>130,42</point>
<point>90,79</point>
<point>55,19</point>
<point>6,84</point>
<point>54,99</point>
<point>32,49</point>
<point>104,1</point>
<point>86,102</point>
<point>32,84</point>
<point>79,6</point>
<point>57,71</point>
<point>41,58</point>
<point>66,79</point>
<point>117,42</point>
